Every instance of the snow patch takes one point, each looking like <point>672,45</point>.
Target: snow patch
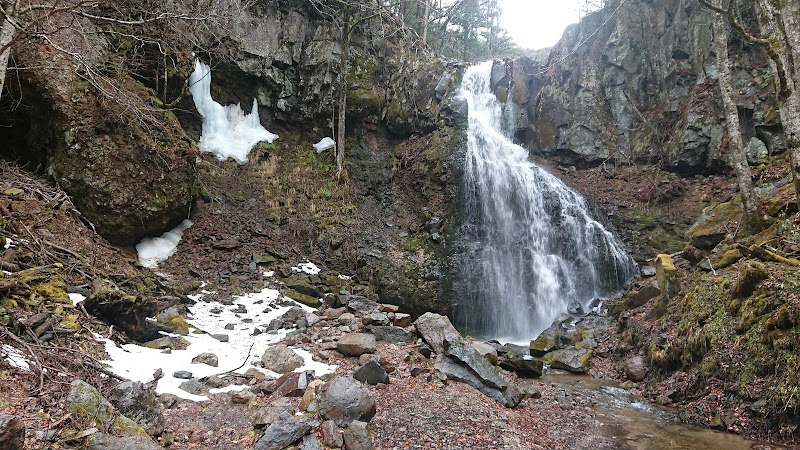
<point>76,298</point>
<point>139,363</point>
<point>269,274</point>
<point>227,131</point>
<point>325,144</point>
<point>9,243</point>
<point>345,277</point>
<point>307,267</point>
<point>15,357</point>
<point>155,250</point>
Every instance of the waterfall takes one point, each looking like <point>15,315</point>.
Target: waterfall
<point>529,246</point>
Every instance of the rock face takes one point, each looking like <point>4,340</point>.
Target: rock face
<point>344,400</point>
<point>459,360</point>
<point>642,87</point>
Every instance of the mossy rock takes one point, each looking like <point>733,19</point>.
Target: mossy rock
<point>178,324</point>
<point>170,342</point>
<point>728,258</point>
<point>46,282</point>
<point>751,273</point>
<point>572,359</point>
<point>714,223</point>
<point>301,298</point>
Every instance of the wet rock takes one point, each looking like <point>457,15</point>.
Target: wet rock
<point>193,386</point>
<point>344,400</point>
<point>281,359</point>
<point>356,344</point>
<point>636,369</point>
<point>523,366</point>
<point>138,402</point>
<point>357,436</point>
<point>331,434</point>
<point>292,384</point>
<point>395,335</point>
<point>572,359</point>
<point>283,433</point>
<point>371,373</point>
<point>12,432</point>
<point>182,374</point>
<point>206,358</point>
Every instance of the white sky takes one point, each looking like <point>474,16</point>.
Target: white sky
<point>538,24</point>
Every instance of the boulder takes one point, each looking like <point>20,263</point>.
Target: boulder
<point>357,437</point>
<point>294,318</point>
<point>283,433</point>
<point>434,328</point>
<point>309,401</point>
<point>344,400</point>
<point>665,275</point>
<point>193,386</point>
<point>291,384</point>
<point>486,350</point>
<point>138,402</point>
<point>105,441</point>
<point>572,359</point>
<point>757,152</point>
<point>523,366</point>
<point>713,225</point>
<point>265,417</point>
<point>638,298</point>
<point>545,342</point>
<point>636,369</point>
<point>371,373</point>
<point>751,273</point>
<point>281,359</point>
<point>507,396</point>
<point>356,344</point>
<point>375,318</point>
<point>309,442</point>
<point>395,335</point>
<point>402,319</point>
<point>362,305</point>
<point>12,432</point>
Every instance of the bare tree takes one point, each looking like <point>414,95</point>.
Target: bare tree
<point>750,202</point>
<point>780,38</point>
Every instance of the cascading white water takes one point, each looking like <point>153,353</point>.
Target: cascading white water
<point>529,245</point>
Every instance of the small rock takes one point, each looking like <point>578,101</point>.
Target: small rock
<point>215,382</point>
<point>221,337</point>
<point>183,374</point>
<point>356,344</point>
<point>636,369</point>
<point>376,318</point>
<point>371,373</point>
<point>357,437</point>
<point>331,435</point>
<point>265,417</point>
<point>344,400</point>
<point>307,403</point>
<point>395,335</point>
<point>309,442</point>
<point>230,326</point>
<point>402,319</point>
<point>138,402</point>
<point>292,384</point>
<point>206,358</point>
<point>193,386</point>
<point>242,397</point>
<point>283,433</point>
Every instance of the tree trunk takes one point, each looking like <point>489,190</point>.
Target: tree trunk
<point>425,18</point>
<point>7,32</point>
<point>752,217</point>
<point>343,71</point>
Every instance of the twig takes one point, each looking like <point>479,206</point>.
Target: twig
<point>16,339</point>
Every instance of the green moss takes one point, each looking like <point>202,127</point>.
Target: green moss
<point>178,323</point>
<point>301,298</point>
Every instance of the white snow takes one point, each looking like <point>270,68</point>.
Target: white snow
<point>139,363</point>
<point>345,277</point>
<point>9,243</point>
<point>227,131</point>
<point>14,357</point>
<point>76,298</point>
<point>155,250</point>
<point>325,144</point>
<point>268,274</point>
<point>307,267</point>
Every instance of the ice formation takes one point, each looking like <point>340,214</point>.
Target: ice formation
<point>154,250</point>
<point>227,131</point>
<point>325,144</point>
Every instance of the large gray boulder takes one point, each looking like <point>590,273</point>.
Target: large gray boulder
<point>281,359</point>
<point>344,400</point>
<point>138,402</point>
<point>460,361</point>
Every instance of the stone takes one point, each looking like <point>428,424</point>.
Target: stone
<point>242,397</point>
<point>12,432</point>
<point>665,274</point>
<point>346,318</point>
<point>356,344</point>
<point>751,273</point>
<point>309,401</point>
<point>215,382</point>
<point>183,374</point>
<point>206,358</point>
<point>395,335</point>
<point>293,318</point>
<point>221,337</point>
<point>193,386</point>
<point>486,350</point>
<point>334,313</point>
<point>331,434</point>
<point>362,305</point>
<point>638,298</point>
<point>265,417</point>
<point>283,433</point>
<point>572,359</point>
<point>713,224</point>
<point>281,359</point>
<point>138,402</point>
<point>309,442</point>
<point>371,373</point>
<point>375,318</point>
<point>291,384</point>
<point>344,400</point>
<point>402,319</point>
<point>170,342</point>
<point>357,436</point>
<point>105,441</point>
<point>524,366</point>
<point>434,328</point>
<point>636,369</point>
<point>757,152</point>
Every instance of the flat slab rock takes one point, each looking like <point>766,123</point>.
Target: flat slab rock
<point>284,433</point>
<point>356,344</point>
